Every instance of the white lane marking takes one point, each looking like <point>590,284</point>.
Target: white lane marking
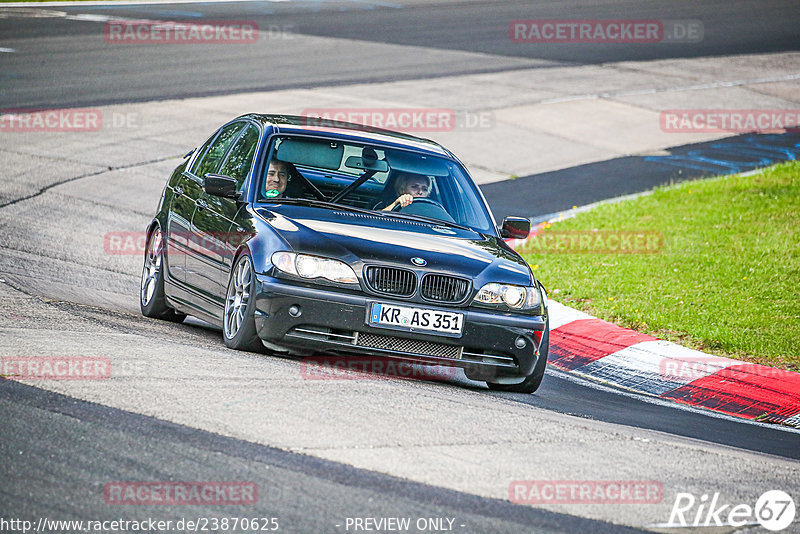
<point>568,214</point>
<point>83,17</point>
<point>655,366</point>
<point>89,17</point>
<point>159,2</point>
<point>561,315</point>
<point>793,420</point>
<point>7,50</point>
<point>17,12</point>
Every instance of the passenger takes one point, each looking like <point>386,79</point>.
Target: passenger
<point>277,177</point>
<point>409,187</point>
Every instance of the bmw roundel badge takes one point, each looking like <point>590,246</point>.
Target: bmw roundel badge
<point>419,262</point>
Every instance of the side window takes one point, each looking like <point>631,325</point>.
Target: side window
<point>209,162</point>
<point>240,158</point>
<point>200,151</point>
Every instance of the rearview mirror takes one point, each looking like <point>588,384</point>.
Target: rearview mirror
<point>357,162</point>
<point>220,186</point>
<point>515,227</point>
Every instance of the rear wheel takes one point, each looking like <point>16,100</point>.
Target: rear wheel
<point>531,383</point>
<point>238,323</point>
<point>152,299</point>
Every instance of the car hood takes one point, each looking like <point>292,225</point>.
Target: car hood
<point>374,239</point>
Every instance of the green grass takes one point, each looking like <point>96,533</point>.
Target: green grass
<point>727,280</point>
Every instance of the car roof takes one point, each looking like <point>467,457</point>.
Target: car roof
<point>296,124</point>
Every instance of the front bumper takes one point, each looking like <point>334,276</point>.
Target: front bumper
<point>326,320</point>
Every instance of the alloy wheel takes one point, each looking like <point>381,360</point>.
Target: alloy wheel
<point>238,297</point>
<point>152,267</point>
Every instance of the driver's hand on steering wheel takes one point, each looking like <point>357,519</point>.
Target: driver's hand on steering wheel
<point>402,200</point>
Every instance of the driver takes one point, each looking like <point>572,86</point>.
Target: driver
<point>408,187</point>
<point>277,178</point>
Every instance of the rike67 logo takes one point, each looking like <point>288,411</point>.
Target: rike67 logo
<point>774,510</point>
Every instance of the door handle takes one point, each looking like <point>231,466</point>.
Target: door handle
<point>201,204</point>
<point>178,191</point>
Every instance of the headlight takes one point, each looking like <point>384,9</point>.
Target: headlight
<point>515,297</point>
<point>305,266</point>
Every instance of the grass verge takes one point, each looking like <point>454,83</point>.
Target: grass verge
<point>711,264</point>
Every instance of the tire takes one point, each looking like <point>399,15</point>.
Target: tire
<point>238,323</point>
<point>152,299</point>
<point>531,383</point>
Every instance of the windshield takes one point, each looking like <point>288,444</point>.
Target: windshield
<point>374,178</point>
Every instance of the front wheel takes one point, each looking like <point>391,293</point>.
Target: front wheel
<point>152,299</point>
<point>532,382</point>
<point>238,323</point>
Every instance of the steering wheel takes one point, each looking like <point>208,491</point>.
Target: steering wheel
<point>418,201</point>
<point>426,207</point>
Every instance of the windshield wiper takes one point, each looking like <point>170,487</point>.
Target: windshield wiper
<point>377,213</point>
<point>322,204</point>
<point>431,220</point>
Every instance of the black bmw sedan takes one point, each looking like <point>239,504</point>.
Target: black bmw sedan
<point>307,237</point>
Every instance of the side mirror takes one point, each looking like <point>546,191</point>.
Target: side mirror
<point>220,186</point>
<point>515,227</point>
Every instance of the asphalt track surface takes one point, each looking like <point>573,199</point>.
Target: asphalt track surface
<point>65,63</point>
<point>305,494</point>
<point>57,448</point>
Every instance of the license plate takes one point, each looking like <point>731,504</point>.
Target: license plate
<point>411,319</point>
